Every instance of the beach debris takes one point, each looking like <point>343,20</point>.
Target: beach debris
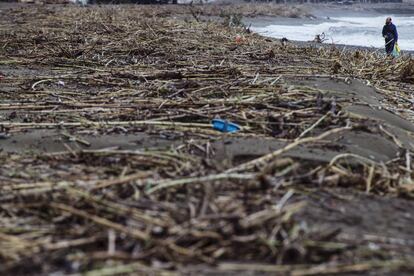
<point>239,39</point>
<point>170,200</point>
<point>4,134</point>
<point>247,29</point>
<point>76,139</point>
<point>336,67</point>
<point>407,72</point>
<point>225,126</point>
<point>320,38</point>
<point>233,20</point>
<point>284,41</point>
<point>333,105</point>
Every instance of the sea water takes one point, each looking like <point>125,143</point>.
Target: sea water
<point>359,31</point>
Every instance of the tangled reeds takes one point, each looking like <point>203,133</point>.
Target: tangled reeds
<point>115,71</point>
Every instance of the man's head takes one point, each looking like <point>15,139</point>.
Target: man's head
<point>388,20</point>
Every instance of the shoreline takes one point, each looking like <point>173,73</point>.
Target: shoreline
<point>345,47</point>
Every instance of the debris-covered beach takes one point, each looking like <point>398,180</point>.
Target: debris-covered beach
<point>110,164</point>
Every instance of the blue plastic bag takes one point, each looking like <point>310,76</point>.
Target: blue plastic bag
<point>225,126</point>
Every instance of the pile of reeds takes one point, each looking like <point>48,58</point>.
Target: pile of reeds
<point>407,71</point>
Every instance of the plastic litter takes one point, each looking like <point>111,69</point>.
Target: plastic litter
<point>239,39</point>
<point>225,126</point>
<point>396,51</point>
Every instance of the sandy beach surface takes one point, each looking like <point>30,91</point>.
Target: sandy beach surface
<point>110,164</point>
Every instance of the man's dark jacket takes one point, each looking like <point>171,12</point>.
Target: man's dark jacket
<point>391,37</point>
<point>390,31</point>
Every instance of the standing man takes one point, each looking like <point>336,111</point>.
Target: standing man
<point>389,32</point>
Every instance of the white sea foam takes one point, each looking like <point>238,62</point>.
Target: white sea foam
<point>360,31</point>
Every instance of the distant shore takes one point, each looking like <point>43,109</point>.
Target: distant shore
<point>321,10</point>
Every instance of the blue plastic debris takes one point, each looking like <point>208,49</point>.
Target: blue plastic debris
<point>225,126</point>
